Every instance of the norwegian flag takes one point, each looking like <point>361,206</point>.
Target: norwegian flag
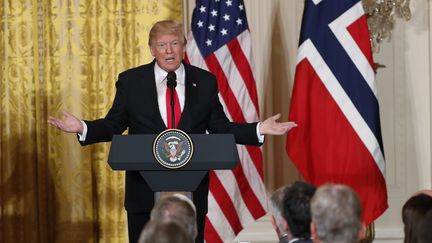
<point>334,102</point>
<point>220,42</point>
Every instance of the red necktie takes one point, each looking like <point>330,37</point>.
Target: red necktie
<point>177,110</point>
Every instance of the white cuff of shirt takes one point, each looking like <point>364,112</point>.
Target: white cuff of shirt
<point>82,137</point>
<point>259,136</point>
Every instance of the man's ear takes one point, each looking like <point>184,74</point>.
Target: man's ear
<point>275,227</point>
<point>285,225</point>
<point>313,231</point>
<point>152,51</point>
<point>273,220</point>
<point>362,232</point>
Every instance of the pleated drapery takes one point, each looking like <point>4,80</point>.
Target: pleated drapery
<point>55,56</point>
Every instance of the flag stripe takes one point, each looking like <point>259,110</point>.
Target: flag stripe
<point>360,53</point>
<point>194,55</point>
<point>229,182</point>
<point>253,174</point>
<point>220,43</point>
<point>254,205</point>
<point>339,28</point>
<point>256,157</point>
<point>211,232</point>
<point>242,64</point>
<point>235,81</point>
<point>233,108</point>
<point>232,105</point>
<point>357,31</point>
<point>221,227</point>
<point>224,202</point>
<point>227,94</point>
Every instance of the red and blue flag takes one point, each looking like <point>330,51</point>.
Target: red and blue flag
<point>335,104</point>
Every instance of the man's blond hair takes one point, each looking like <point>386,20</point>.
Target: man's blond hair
<point>167,27</point>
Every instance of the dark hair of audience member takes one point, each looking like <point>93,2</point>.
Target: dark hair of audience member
<point>425,228</point>
<point>296,208</point>
<point>413,210</point>
<point>164,231</point>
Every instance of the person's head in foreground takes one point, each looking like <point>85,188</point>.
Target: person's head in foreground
<point>179,208</point>
<point>336,215</point>
<point>413,211</point>
<point>164,231</point>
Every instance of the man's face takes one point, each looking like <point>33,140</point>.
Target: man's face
<point>168,49</point>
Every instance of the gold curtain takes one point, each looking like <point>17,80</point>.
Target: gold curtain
<point>55,56</point>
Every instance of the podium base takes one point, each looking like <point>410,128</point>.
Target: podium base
<point>175,180</point>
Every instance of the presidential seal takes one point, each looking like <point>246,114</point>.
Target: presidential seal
<point>172,148</point>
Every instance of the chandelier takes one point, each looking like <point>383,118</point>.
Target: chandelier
<point>381,18</point>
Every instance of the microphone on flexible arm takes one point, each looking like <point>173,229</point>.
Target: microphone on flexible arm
<point>171,84</point>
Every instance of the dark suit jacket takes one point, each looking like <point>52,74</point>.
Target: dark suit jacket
<point>136,107</point>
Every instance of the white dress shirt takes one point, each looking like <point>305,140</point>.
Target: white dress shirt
<point>161,86</point>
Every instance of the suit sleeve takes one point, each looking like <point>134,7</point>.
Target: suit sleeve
<point>115,122</point>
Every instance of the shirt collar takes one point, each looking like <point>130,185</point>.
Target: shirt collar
<point>162,74</point>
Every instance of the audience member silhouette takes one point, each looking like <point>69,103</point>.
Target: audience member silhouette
<point>336,215</point>
<point>178,208</point>
<point>275,209</point>
<point>414,209</point>
<point>296,211</point>
<point>290,209</point>
<point>425,229</point>
<point>164,231</point>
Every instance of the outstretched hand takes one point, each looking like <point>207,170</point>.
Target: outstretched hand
<point>270,126</point>
<point>68,123</point>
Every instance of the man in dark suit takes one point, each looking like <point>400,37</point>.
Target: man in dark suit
<point>140,105</point>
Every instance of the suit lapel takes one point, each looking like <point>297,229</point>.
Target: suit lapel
<point>190,99</point>
<point>148,77</point>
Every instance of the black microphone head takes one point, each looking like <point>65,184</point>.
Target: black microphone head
<point>171,77</point>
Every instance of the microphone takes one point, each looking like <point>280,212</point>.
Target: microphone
<point>171,77</point>
<point>171,84</point>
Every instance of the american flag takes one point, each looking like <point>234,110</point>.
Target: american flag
<point>334,102</point>
<point>220,42</point>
